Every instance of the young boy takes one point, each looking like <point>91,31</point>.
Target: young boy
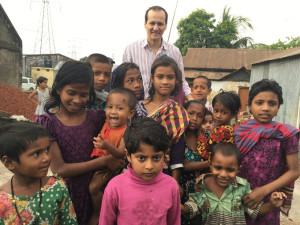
<point>120,107</point>
<point>31,197</point>
<point>143,194</point>
<point>101,66</point>
<point>219,199</point>
<point>201,89</point>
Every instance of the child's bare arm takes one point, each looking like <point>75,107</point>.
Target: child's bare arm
<point>258,194</point>
<point>192,166</point>
<point>35,101</point>
<point>101,143</point>
<point>275,202</point>
<point>185,209</point>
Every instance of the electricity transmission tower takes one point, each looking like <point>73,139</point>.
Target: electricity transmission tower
<point>44,43</point>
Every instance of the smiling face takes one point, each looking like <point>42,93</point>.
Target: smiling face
<point>102,74</point>
<point>146,163</point>
<point>155,25</point>
<point>35,160</point>
<point>200,89</point>
<point>224,169</point>
<point>74,97</point>
<point>221,114</point>
<point>117,110</point>
<point>196,115</point>
<point>264,106</point>
<point>164,80</point>
<point>133,81</point>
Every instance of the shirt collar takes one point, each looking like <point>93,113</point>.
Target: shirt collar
<point>163,44</point>
<point>237,181</point>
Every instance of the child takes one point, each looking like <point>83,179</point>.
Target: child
<point>31,197</point>
<point>201,89</point>
<point>43,94</point>
<point>101,66</point>
<point>208,124</point>
<point>143,194</point>
<point>128,75</point>
<point>220,199</point>
<point>119,109</point>
<point>269,150</point>
<point>226,105</point>
<point>165,82</point>
<point>193,164</point>
<point>72,128</point>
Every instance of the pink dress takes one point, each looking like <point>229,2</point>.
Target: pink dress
<point>129,199</point>
<point>264,164</point>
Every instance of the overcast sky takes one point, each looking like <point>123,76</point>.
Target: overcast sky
<point>107,26</point>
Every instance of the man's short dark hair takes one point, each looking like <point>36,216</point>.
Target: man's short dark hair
<point>146,131</point>
<point>156,8</point>
<point>226,149</point>
<point>16,136</point>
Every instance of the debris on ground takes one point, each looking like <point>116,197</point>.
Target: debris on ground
<point>15,102</point>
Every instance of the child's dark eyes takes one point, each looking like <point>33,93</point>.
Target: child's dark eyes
<point>141,158</point>
<point>156,158</point>
<point>129,81</point>
<point>218,167</point>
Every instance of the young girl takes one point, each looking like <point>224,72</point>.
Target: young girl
<point>128,75</point>
<point>43,94</point>
<point>193,163</point>
<point>226,105</point>
<point>143,194</point>
<point>208,123</point>
<point>165,82</point>
<point>219,199</point>
<point>72,128</point>
<point>269,150</point>
<point>31,197</point>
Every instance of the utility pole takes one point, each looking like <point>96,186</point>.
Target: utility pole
<point>44,38</point>
<point>172,21</point>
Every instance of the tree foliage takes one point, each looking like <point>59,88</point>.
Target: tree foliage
<point>280,45</point>
<point>83,59</point>
<point>199,30</point>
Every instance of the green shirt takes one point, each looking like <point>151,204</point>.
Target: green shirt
<point>229,209</point>
<point>56,207</point>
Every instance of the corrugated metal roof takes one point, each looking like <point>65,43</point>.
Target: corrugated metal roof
<point>209,75</point>
<point>224,59</point>
<point>285,54</point>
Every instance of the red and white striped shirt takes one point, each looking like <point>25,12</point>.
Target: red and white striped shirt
<point>141,54</point>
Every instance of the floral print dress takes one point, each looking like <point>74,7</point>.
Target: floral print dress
<point>56,207</point>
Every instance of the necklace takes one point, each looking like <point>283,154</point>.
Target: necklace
<point>36,220</point>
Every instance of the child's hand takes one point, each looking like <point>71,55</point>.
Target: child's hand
<point>253,199</point>
<point>100,142</point>
<point>277,199</point>
<point>113,163</point>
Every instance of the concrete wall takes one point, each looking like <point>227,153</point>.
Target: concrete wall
<point>38,61</point>
<point>43,71</point>
<point>287,73</point>
<point>10,52</point>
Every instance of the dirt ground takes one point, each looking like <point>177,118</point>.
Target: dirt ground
<point>293,219</point>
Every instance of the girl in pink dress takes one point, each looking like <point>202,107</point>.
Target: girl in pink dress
<point>269,151</point>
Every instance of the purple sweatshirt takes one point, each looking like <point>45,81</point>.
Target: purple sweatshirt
<point>129,199</point>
